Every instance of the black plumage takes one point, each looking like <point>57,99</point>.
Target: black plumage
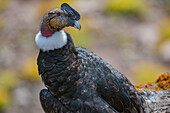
<point>79,81</point>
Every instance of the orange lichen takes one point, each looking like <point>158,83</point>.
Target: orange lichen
<point>162,83</point>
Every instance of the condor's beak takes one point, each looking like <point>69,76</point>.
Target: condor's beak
<point>74,23</point>
<point>77,25</point>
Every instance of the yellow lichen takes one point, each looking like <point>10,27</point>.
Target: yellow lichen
<point>8,81</point>
<point>3,4</point>
<point>5,98</point>
<point>164,28</point>
<point>28,69</point>
<point>162,83</point>
<point>128,7</point>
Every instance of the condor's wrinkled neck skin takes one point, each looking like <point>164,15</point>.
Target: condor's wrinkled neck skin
<point>56,41</point>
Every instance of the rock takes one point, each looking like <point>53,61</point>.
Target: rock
<point>157,94</point>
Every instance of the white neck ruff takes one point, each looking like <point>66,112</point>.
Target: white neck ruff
<point>56,41</point>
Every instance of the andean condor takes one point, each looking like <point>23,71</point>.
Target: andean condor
<point>77,80</point>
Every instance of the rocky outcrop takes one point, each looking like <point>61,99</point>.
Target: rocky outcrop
<point>157,94</point>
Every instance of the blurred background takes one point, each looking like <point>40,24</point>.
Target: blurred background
<point>132,35</point>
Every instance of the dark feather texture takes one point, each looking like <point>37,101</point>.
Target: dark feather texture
<point>79,81</point>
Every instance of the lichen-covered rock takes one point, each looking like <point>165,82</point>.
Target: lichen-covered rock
<point>162,83</point>
<point>157,94</point>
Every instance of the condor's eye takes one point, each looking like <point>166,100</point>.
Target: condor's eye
<point>58,14</point>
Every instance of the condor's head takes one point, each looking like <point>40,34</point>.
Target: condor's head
<point>51,35</point>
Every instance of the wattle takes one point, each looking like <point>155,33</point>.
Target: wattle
<point>47,35</point>
<point>45,30</point>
